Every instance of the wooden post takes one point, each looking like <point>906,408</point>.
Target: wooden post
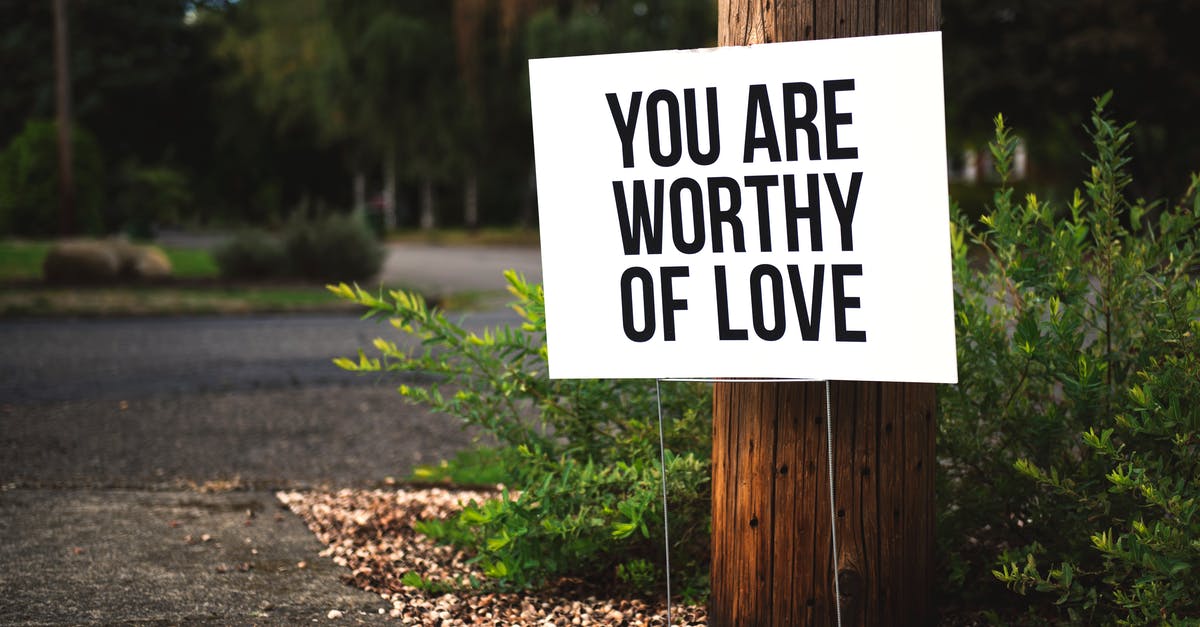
<point>772,562</point>
<point>62,100</point>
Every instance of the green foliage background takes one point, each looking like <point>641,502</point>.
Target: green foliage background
<point>334,247</point>
<point>29,186</point>
<point>264,106</point>
<point>1069,446</point>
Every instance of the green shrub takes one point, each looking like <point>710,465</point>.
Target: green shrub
<point>334,248</point>
<point>1071,445</point>
<point>149,195</point>
<point>583,453</point>
<point>478,466</point>
<point>252,254</point>
<point>29,181</point>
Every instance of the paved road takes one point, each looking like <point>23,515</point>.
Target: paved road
<point>66,360</point>
<point>137,557</point>
<point>428,267</point>
<point>440,269</point>
<point>167,401</point>
<point>119,441</point>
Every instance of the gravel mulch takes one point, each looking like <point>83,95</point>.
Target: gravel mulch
<point>370,533</point>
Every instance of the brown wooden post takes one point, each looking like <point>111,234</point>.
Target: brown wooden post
<point>62,99</point>
<point>772,562</point>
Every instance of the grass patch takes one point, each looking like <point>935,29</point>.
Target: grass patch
<point>192,263</point>
<point>194,288</point>
<point>22,261</point>
<point>483,465</point>
<point>157,300</point>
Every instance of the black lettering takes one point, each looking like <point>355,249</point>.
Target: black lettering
<point>697,243</point>
<point>810,321</point>
<point>833,119</point>
<point>756,302</point>
<point>759,106</point>
<point>761,184</point>
<point>795,213</point>
<point>656,154</point>
<point>671,304</point>
<point>729,216</point>
<point>625,124</point>
<point>647,281</point>
<point>841,303</point>
<point>693,133</point>
<point>724,332</point>
<point>844,206</point>
<point>632,229</point>
<point>792,124</point>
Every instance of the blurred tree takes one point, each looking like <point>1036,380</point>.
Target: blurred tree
<point>576,27</point>
<point>269,104</point>
<point>62,107</point>
<point>1035,60</point>
<point>287,60</point>
<point>266,104</point>
<point>291,57</point>
<point>495,150</point>
<point>470,17</point>
<point>401,61</point>
<point>494,114</point>
<point>371,77</point>
<point>29,182</point>
<point>494,40</point>
<point>129,63</point>
<point>140,76</point>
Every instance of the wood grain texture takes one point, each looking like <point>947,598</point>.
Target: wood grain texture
<point>772,558</point>
<point>745,22</point>
<point>772,555</point>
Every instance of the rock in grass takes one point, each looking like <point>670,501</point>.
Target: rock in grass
<point>81,261</point>
<point>103,261</point>
<point>142,262</point>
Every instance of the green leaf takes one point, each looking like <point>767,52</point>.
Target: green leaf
<point>623,529</point>
<point>412,579</point>
<point>496,570</point>
<point>498,542</point>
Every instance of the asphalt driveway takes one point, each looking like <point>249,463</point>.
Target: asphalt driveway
<point>138,458</point>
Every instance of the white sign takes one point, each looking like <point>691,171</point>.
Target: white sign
<point>777,211</point>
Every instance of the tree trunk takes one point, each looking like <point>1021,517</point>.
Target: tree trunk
<point>360,190</point>
<point>389,189</point>
<point>528,201</point>
<point>772,558</point>
<point>62,95</point>
<point>428,205</point>
<point>471,201</point>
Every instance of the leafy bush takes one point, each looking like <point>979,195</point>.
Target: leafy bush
<point>583,454</point>
<point>477,466</point>
<point>1071,445</point>
<point>29,181</point>
<point>334,248</point>
<point>252,254</point>
<point>149,195</point>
